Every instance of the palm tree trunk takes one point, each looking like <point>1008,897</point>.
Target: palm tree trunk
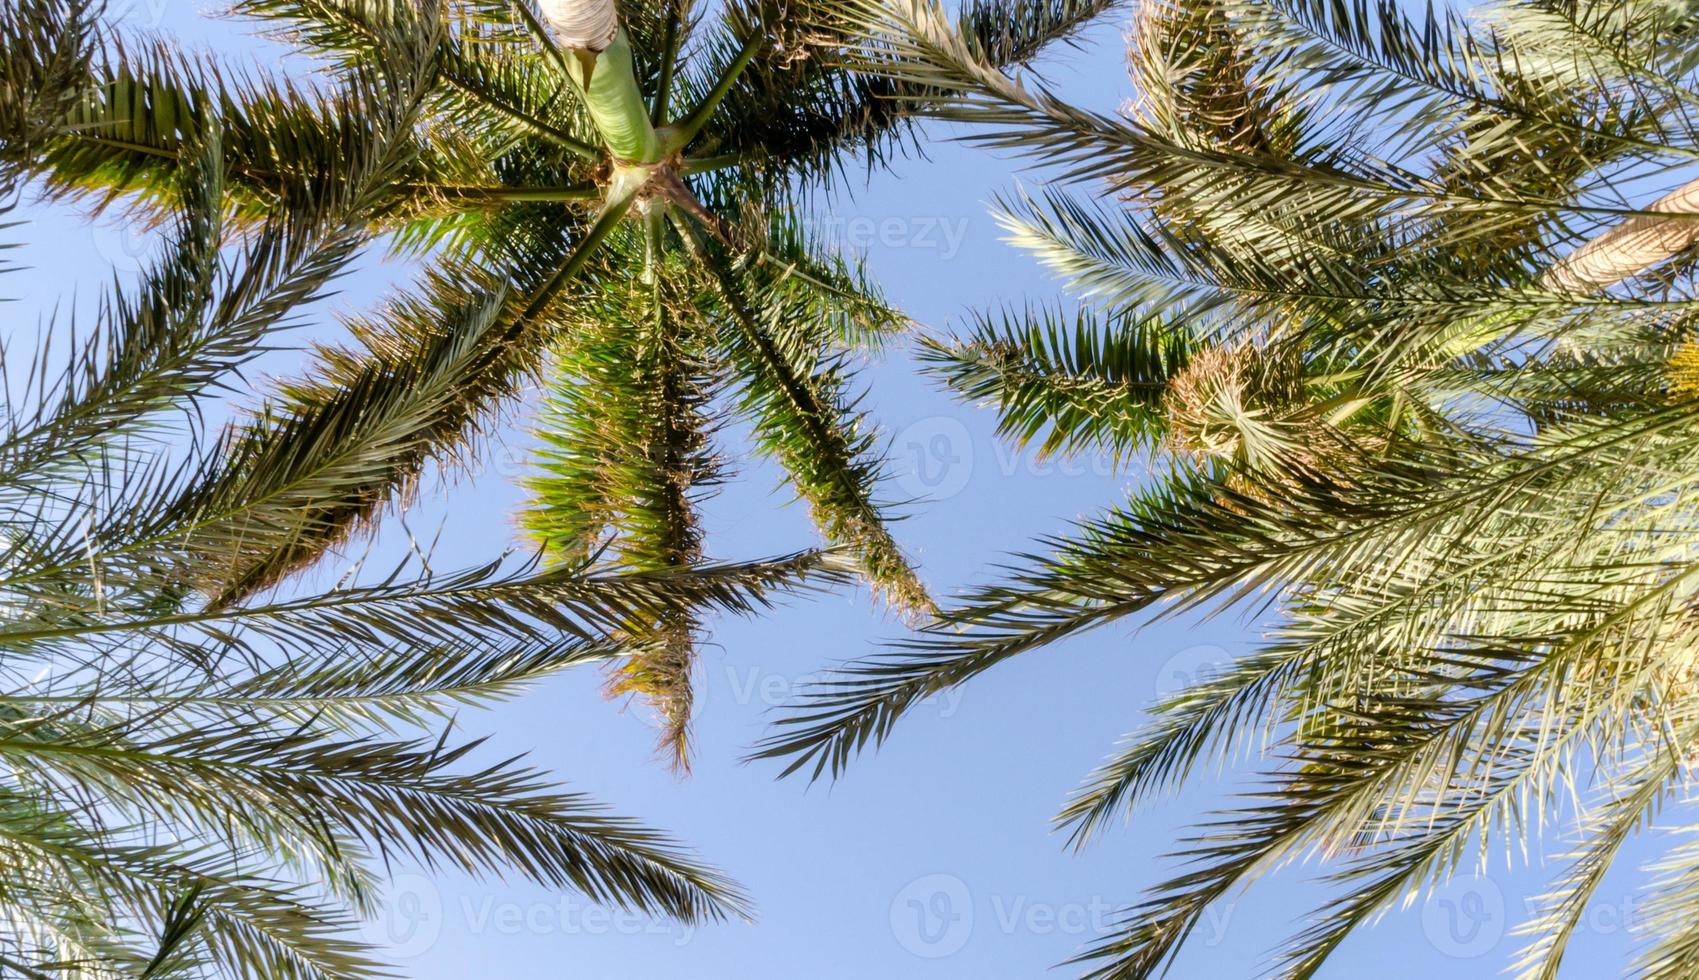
<point>1630,247</point>
<point>605,77</point>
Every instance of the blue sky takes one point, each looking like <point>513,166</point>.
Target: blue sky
<point>933,858</point>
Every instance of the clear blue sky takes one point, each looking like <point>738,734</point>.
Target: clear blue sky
<point>932,858</point>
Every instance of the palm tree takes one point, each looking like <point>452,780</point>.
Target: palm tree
<point>611,203</point>
<point>1384,297</point>
<point>192,786</point>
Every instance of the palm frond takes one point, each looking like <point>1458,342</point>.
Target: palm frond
<point>1086,386</point>
<point>793,393</point>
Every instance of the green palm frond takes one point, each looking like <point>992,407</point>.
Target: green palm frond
<point>1454,486</point>
<point>544,188</point>
<point>198,781</point>
<point>333,450</point>
<point>500,157</point>
<point>49,49</point>
<point>793,392</point>
<point>1085,386</point>
<point>803,109</point>
<point>1670,901</point>
<point>627,459</point>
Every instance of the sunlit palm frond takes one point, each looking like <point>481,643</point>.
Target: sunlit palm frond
<point>1066,387</point>
<point>1446,467</point>
<point>199,781</point>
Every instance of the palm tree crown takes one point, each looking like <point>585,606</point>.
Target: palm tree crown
<point>1406,305</point>
<point>613,205</point>
<point>193,784</point>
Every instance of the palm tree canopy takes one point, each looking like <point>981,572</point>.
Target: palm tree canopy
<point>1399,302</point>
<point>200,784</point>
<point>621,218</point>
